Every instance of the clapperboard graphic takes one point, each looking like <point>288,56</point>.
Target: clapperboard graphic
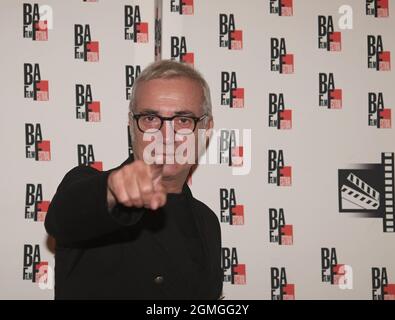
<point>367,190</point>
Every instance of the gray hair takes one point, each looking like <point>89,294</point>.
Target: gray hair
<point>168,69</point>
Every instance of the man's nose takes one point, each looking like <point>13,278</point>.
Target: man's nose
<point>167,132</point>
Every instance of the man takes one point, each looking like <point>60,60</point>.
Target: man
<point>136,232</point>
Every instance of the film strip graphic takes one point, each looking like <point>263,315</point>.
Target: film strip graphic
<point>369,191</point>
<point>387,160</point>
<point>370,200</point>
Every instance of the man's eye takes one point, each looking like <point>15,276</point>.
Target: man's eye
<point>149,118</point>
<point>184,120</point>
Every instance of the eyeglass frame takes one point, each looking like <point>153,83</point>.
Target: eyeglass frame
<point>163,119</point>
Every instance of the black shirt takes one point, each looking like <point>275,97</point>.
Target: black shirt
<point>178,213</point>
<point>130,253</point>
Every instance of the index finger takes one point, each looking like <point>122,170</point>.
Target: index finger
<point>157,168</point>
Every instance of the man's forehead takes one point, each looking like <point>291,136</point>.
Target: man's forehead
<point>176,110</point>
<point>169,96</point>
<point>171,85</point>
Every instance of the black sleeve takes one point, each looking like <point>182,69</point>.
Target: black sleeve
<point>78,211</point>
<point>219,272</point>
<point>215,242</point>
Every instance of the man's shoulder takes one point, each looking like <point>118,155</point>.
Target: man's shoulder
<point>205,211</point>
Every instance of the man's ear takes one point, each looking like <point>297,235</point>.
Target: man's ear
<point>131,130</point>
<point>130,123</point>
<point>210,123</point>
<point>209,130</point>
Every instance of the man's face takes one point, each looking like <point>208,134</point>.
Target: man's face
<point>166,98</point>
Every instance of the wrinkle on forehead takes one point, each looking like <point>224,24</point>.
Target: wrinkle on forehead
<point>170,95</point>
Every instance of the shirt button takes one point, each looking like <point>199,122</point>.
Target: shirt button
<point>159,279</point>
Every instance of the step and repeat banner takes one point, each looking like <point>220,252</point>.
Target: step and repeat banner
<point>300,168</point>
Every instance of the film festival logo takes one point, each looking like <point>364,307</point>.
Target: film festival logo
<point>381,289</point>
<point>280,288</point>
<point>333,272</point>
<point>230,147</point>
<point>35,207</point>
<point>234,272</point>
<point>377,8</point>
<point>367,190</point>
<point>131,74</point>
<point>280,117</point>
<point>231,95</point>
<point>35,269</point>
<point>279,232</point>
<point>134,29</point>
<point>86,108</point>
<point>84,48</point>
<point>280,61</point>
<point>234,148</point>
<point>37,20</point>
<point>232,213</point>
<point>378,115</point>
<point>229,37</point>
<point>33,86</point>
<point>279,174</point>
<point>86,157</point>
<point>184,7</point>
<point>36,148</point>
<point>329,96</point>
<point>378,59</point>
<point>283,8</point>
<point>179,51</point>
<point>328,38</point>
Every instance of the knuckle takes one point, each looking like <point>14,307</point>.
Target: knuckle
<point>137,201</point>
<point>139,165</point>
<point>146,189</point>
<point>128,203</point>
<point>123,199</point>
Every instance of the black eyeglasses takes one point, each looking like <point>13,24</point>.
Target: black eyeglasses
<point>152,122</point>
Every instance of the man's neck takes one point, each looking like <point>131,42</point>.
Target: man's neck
<point>172,187</point>
<point>174,184</point>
